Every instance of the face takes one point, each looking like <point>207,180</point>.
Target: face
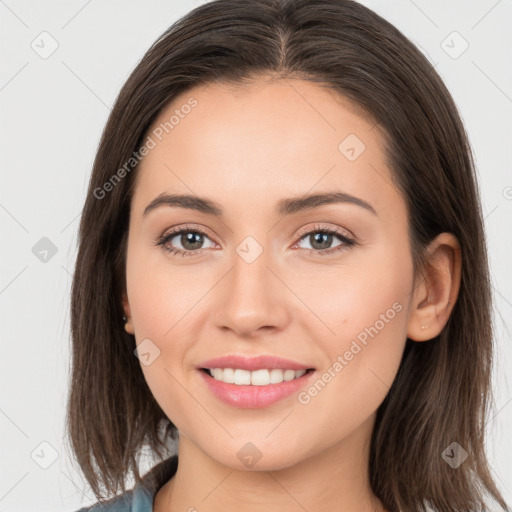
<point>325,284</point>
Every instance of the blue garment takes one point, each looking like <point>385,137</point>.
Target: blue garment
<point>142,496</point>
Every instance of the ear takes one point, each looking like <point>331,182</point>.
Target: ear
<point>436,289</point>
<point>128,326</point>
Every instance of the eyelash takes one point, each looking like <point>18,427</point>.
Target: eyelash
<point>347,242</point>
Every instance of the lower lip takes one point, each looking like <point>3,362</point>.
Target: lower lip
<point>254,397</point>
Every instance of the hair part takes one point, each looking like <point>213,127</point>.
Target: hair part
<point>342,45</point>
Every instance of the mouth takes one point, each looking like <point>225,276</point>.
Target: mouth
<point>252,382</point>
<point>254,389</point>
<point>261,377</point>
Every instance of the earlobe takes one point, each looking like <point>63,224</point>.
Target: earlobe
<point>127,319</point>
<point>436,294</point>
<point>126,305</point>
<point>128,326</point>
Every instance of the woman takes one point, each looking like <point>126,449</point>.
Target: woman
<point>282,266</point>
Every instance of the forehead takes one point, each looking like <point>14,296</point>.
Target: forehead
<point>265,140</point>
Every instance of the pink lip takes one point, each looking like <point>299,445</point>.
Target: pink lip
<point>253,363</point>
<point>250,396</point>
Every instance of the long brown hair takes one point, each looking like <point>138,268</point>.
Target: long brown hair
<point>442,392</point>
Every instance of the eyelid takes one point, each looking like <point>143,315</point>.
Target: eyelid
<point>303,231</point>
<point>187,227</point>
<point>343,234</point>
<point>325,227</point>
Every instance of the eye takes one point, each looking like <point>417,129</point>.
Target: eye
<point>191,241</point>
<point>321,240</point>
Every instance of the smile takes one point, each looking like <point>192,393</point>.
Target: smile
<point>262,393</point>
<point>262,377</point>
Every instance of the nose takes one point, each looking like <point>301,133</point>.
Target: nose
<point>252,298</point>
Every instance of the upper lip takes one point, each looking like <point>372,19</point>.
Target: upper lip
<point>253,363</point>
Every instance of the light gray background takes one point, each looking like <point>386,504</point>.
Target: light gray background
<point>52,114</point>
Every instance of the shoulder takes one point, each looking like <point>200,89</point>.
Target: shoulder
<point>140,498</point>
<point>121,503</point>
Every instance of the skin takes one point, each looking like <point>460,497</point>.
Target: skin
<point>246,148</point>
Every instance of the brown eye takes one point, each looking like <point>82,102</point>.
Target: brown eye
<point>321,241</point>
<point>190,240</point>
<point>184,242</point>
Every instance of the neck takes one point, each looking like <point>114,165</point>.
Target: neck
<point>335,479</point>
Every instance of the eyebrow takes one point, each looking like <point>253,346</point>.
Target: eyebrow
<point>283,207</point>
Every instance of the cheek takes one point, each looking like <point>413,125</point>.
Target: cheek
<point>361,366</point>
<point>162,295</point>
<point>367,318</point>
<point>364,293</point>
<point>165,302</point>
<point>162,300</point>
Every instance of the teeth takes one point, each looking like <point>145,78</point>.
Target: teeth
<point>256,378</point>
